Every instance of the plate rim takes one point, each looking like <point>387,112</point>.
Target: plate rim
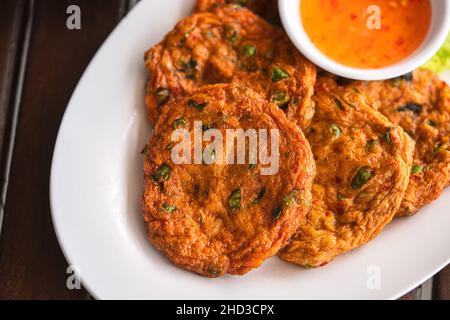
<point>58,143</point>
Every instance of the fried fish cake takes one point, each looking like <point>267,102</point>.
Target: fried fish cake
<point>225,218</point>
<point>258,6</point>
<point>267,9</point>
<point>420,104</point>
<point>363,166</point>
<point>230,45</point>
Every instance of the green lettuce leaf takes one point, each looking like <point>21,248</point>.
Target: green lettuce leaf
<point>441,61</point>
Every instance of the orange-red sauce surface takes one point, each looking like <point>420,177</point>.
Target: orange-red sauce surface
<point>346,32</point>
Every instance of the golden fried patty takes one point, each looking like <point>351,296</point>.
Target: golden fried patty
<point>267,9</point>
<point>420,104</point>
<point>224,218</point>
<point>230,45</point>
<point>363,163</point>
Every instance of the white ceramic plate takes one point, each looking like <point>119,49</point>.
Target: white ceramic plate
<point>96,184</point>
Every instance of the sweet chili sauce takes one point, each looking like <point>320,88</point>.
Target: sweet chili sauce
<point>348,31</point>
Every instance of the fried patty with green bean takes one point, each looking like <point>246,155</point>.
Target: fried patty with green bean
<point>363,167</point>
<point>419,102</point>
<point>230,44</point>
<point>221,218</point>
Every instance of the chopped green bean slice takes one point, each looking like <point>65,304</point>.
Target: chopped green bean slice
<point>279,74</point>
<point>234,201</point>
<point>363,176</point>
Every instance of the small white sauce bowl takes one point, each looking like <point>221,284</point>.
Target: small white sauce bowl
<point>440,25</point>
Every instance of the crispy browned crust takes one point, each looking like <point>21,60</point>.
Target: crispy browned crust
<point>203,234</point>
<point>429,125</point>
<point>267,9</point>
<point>209,48</point>
<point>346,135</point>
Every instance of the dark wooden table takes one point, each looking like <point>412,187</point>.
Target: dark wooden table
<point>41,61</point>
